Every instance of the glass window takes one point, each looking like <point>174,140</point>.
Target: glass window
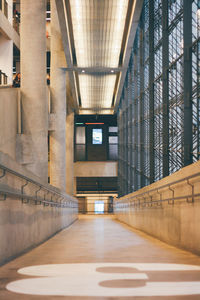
<point>113,129</point>
<point>80,153</point>
<point>113,152</point>
<point>99,207</point>
<point>80,135</point>
<point>96,136</point>
<point>113,139</point>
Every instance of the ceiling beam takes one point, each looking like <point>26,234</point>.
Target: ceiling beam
<point>136,12</point>
<point>62,17</point>
<point>96,108</point>
<point>94,70</point>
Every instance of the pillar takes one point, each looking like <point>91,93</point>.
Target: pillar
<point>151,91</point>
<point>33,85</point>
<point>58,106</point>
<point>187,79</point>
<point>165,91</point>
<point>70,154</point>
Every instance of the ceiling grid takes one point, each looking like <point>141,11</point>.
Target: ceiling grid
<point>98,28</point>
<point>98,31</point>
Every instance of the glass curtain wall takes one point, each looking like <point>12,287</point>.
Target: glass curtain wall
<point>158,115</point>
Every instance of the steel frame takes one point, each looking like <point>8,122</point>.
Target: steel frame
<point>159,111</point>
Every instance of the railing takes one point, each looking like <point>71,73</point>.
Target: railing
<point>36,193</point>
<point>145,199</point>
<point>3,78</point>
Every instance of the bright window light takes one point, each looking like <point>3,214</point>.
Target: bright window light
<point>97,136</point>
<point>99,207</point>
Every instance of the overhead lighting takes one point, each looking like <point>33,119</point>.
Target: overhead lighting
<point>102,48</point>
<point>198,14</point>
<point>79,123</point>
<point>97,91</point>
<point>98,32</point>
<point>93,198</point>
<point>93,112</point>
<point>111,194</point>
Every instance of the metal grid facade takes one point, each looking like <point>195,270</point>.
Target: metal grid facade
<point>159,111</point>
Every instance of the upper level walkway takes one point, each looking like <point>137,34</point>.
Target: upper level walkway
<point>100,258</point>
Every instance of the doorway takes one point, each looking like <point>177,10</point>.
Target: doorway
<point>99,207</point>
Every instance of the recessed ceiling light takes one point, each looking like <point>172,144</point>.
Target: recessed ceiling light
<point>112,71</point>
<point>83,71</point>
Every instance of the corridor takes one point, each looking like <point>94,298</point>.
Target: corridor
<point>98,257</point>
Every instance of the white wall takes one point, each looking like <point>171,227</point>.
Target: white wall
<point>6,57</point>
<point>10,10</point>
<point>6,48</point>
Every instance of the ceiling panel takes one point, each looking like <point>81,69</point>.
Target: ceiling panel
<point>96,91</point>
<point>98,27</point>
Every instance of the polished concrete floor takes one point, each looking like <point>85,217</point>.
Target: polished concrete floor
<point>100,258</point>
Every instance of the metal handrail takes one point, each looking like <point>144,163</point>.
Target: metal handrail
<point>16,194</point>
<point>29,180</point>
<point>162,187</point>
<point>162,200</point>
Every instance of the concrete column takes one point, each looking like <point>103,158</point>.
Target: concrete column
<point>70,154</point>
<point>33,85</point>
<point>58,105</point>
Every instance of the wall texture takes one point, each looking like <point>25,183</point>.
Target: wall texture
<point>177,222</point>
<point>95,169</point>
<point>25,225</point>
<point>8,121</point>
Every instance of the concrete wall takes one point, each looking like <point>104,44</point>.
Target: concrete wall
<point>95,169</point>
<point>177,224</point>
<point>8,121</point>
<point>25,225</point>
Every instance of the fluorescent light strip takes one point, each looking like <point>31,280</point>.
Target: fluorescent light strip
<point>97,195</point>
<point>98,31</point>
<point>93,112</point>
<point>96,91</point>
